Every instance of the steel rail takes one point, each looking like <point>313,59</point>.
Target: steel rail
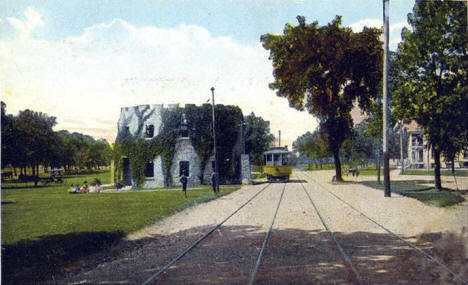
<point>415,247</point>
<point>156,275</point>
<point>332,234</point>
<point>254,273</point>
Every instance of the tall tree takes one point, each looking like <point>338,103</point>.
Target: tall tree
<point>432,62</point>
<point>257,137</point>
<point>324,70</point>
<point>34,132</point>
<point>313,145</point>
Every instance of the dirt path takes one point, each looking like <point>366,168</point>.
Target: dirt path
<point>300,250</point>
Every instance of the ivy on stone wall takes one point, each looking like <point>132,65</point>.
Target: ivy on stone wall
<point>199,123</point>
<point>140,151</point>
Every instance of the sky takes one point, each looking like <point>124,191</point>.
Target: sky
<point>81,61</point>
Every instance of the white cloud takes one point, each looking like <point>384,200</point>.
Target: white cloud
<point>88,78</point>
<point>395,29</point>
<point>371,23</point>
<point>32,20</point>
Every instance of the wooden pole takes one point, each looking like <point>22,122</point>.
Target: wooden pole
<point>386,111</point>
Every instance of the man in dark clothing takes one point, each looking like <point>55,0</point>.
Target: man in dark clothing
<point>183,180</point>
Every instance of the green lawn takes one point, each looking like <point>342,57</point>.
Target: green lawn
<point>326,166</point>
<point>46,228</point>
<point>444,172</point>
<point>427,195</point>
<point>372,171</point>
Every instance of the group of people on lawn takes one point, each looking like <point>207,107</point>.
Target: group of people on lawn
<point>97,188</point>
<point>85,188</point>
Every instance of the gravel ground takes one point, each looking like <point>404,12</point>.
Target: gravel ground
<point>300,251</point>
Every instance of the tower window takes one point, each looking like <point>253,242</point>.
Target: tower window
<point>149,131</point>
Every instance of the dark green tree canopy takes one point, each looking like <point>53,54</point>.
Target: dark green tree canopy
<point>257,137</point>
<point>325,70</point>
<point>432,66</point>
<point>28,139</point>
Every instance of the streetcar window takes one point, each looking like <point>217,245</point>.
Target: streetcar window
<point>285,159</point>
<point>268,157</point>
<point>276,158</point>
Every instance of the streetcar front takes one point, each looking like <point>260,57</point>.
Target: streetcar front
<point>277,164</point>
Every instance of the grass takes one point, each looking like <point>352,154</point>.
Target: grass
<point>427,195</point>
<point>44,229</point>
<point>443,172</point>
<point>325,166</point>
<point>372,171</point>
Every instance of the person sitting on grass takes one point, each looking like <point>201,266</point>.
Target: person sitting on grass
<point>84,188</point>
<point>74,189</point>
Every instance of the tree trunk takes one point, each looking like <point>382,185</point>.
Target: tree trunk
<point>438,183</point>
<point>453,165</point>
<point>336,158</point>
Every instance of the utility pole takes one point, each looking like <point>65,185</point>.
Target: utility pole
<point>214,140</point>
<point>386,111</point>
<point>402,157</point>
<point>279,138</point>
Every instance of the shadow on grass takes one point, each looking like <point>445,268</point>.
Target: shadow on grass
<point>12,186</point>
<point>32,261</point>
<point>427,195</point>
<point>292,256</point>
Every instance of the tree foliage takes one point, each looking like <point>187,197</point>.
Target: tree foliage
<point>257,137</point>
<point>324,70</point>
<point>28,140</point>
<point>432,70</point>
<point>313,145</point>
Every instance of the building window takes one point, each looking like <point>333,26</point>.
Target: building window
<point>184,168</point>
<point>416,140</point>
<point>421,156</point>
<point>149,169</point>
<point>149,131</point>
<point>417,155</point>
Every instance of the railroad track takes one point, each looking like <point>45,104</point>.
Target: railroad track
<point>356,276</point>
<point>253,275</point>
<point>396,236</point>
<point>347,259</point>
<point>154,277</point>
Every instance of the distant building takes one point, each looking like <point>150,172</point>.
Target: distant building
<point>145,121</point>
<point>419,156</point>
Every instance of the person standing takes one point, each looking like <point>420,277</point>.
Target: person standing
<point>183,180</point>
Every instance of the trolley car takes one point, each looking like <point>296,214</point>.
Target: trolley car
<point>277,164</point>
